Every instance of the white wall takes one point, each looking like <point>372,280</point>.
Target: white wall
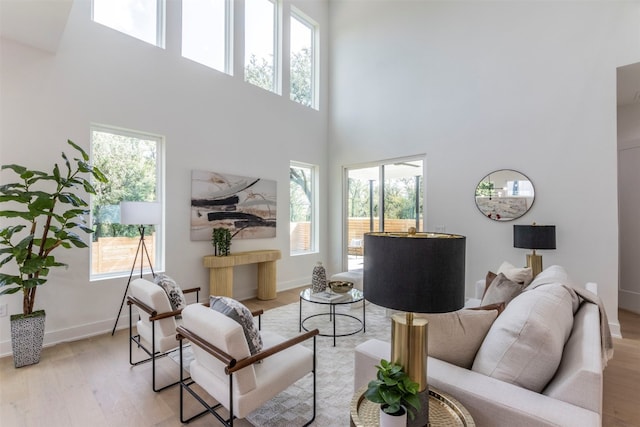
<point>629,198</point>
<point>211,121</point>
<point>480,86</point>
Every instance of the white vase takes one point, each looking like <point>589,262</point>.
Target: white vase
<point>388,420</point>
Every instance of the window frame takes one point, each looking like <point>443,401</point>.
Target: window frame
<point>276,83</point>
<point>160,250</point>
<point>314,228</point>
<point>160,36</point>
<point>228,40</point>
<point>305,20</point>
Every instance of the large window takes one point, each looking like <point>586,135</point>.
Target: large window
<point>206,29</point>
<point>132,162</point>
<point>302,210</point>
<point>302,60</point>
<point>142,19</point>
<point>260,43</point>
<point>386,196</point>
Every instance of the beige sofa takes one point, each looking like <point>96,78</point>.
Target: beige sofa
<point>573,396</point>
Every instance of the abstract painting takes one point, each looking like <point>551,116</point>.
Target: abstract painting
<point>244,205</point>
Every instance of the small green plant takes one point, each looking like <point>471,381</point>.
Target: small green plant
<point>44,211</point>
<point>221,240</point>
<point>393,388</point>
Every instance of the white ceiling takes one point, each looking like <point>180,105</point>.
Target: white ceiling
<point>41,23</point>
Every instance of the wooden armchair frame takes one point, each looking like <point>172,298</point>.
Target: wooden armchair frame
<point>231,365</point>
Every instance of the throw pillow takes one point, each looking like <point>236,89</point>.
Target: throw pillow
<point>501,290</point>
<point>524,345</point>
<point>499,306</point>
<point>455,337</point>
<point>174,293</point>
<point>241,314</point>
<point>521,275</point>
<point>487,281</point>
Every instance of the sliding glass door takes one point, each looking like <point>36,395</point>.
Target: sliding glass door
<point>395,205</point>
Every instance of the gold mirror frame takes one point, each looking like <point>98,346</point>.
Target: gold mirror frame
<point>504,195</point>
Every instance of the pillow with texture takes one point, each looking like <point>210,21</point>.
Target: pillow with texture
<point>524,345</point>
<point>176,297</point>
<point>521,275</point>
<point>241,314</point>
<point>552,274</point>
<point>487,281</point>
<point>501,290</point>
<point>499,306</point>
<point>455,337</point>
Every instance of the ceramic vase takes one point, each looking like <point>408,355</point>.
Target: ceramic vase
<point>27,337</point>
<point>388,420</point>
<point>318,278</point>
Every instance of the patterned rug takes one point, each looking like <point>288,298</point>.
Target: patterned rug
<point>334,377</point>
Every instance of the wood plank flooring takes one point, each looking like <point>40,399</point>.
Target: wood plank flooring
<point>90,382</point>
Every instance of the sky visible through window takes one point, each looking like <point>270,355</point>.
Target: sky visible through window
<point>138,18</point>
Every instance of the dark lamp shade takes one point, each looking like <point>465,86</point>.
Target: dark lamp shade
<point>534,236</point>
<point>422,273</point>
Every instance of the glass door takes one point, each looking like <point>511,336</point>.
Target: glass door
<point>394,206</point>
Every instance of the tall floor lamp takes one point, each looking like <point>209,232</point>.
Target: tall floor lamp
<point>140,214</point>
<point>414,273</point>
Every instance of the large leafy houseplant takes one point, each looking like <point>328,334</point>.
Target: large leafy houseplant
<point>44,212</point>
<point>393,389</point>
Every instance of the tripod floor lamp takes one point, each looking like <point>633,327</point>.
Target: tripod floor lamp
<point>140,214</point>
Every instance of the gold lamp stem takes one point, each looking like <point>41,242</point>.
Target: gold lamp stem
<point>535,263</point>
<point>409,346</point>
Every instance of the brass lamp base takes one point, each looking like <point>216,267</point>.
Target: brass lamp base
<point>535,263</point>
<point>409,349</point>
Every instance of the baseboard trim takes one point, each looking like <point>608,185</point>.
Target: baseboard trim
<point>75,333</point>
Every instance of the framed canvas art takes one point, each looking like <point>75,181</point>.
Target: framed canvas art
<point>244,205</point>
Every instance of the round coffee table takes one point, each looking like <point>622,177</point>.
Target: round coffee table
<point>333,300</point>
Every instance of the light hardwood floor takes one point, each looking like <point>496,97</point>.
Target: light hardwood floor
<point>90,382</point>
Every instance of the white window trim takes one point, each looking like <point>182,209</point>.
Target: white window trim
<point>315,71</point>
<point>159,261</point>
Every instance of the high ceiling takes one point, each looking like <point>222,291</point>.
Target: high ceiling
<point>41,23</point>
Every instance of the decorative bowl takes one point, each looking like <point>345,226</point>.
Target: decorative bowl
<point>340,286</point>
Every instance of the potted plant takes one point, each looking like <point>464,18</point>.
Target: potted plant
<point>395,392</point>
<point>43,212</point>
<point>221,240</point>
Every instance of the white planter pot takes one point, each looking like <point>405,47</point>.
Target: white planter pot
<point>388,420</point>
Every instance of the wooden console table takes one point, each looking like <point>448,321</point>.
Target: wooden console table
<point>221,271</point>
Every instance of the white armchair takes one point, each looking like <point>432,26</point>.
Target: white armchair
<point>224,367</point>
<point>156,329</point>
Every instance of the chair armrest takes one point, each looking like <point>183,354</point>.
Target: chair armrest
<point>272,350</point>
<point>153,314</point>
<point>231,364</point>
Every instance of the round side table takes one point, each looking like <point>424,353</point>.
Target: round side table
<point>444,411</point>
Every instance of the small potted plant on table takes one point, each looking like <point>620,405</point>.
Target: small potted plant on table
<point>395,392</point>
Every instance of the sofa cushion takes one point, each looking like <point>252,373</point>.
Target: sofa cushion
<point>524,345</point>
<point>241,314</point>
<point>455,337</point>
<point>501,290</point>
<point>521,275</point>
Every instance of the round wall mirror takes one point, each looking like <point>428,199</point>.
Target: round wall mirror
<point>504,195</point>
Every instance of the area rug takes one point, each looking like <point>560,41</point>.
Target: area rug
<point>334,377</point>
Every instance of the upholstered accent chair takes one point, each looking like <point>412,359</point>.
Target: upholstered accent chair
<point>156,327</point>
<point>224,368</point>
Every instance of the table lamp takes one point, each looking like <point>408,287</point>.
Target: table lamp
<point>415,273</point>
<point>534,237</point>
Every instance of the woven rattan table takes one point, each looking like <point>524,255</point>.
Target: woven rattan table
<point>444,411</point>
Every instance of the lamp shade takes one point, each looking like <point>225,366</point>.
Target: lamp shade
<point>534,236</point>
<point>140,213</point>
<point>422,272</point>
